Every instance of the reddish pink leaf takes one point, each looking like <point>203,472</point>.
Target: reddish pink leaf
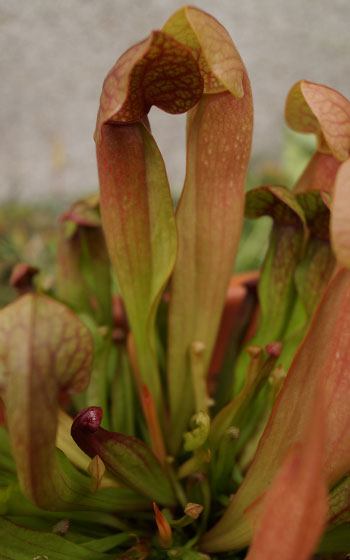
<point>84,212</point>
<point>220,64</point>
<point>22,277</point>
<point>210,211</point>
<point>319,174</point>
<point>209,220</point>
<point>233,306</point>
<point>319,109</point>
<point>165,532</point>
<point>158,71</point>
<point>136,206</point>
<point>152,421</point>
<point>340,215</point>
<point>324,357</point>
<point>139,225</point>
<point>234,302</point>
<point>293,513</point>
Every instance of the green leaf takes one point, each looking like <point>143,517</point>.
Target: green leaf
<point>209,220</point>
<point>336,541</point>
<point>312,274</point>
<point>339,503</point>
<point>44,349</point>
<point>257,374</point>
<point>238,420</point>
<point>139,224</point>
<point>127,457</point>
<point>123,401</point>
<point>107,499</point>
<point>317,266</point>
<point>197,437</point>
<point>19,543</point>
<point>7,464</point>
<point>83,267</point>
<point>277,291</point>
<point>106,543</point>
<point>97,393</point>
<point>84,212</point>
<point>96,270</point>
<point>70,284</point>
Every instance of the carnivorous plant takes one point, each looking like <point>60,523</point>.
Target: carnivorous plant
<point>153,405</point>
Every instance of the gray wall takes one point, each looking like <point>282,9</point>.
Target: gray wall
<point>54,55</point>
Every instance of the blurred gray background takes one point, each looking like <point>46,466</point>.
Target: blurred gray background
<point>54,55</point>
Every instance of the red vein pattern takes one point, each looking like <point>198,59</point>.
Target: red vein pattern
<point>323,111</point>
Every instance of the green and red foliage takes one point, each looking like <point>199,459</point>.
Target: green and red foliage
<point>211,414</point>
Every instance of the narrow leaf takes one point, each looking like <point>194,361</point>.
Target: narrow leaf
<point>235,299</point>
<point>70,284</point>
<point>155,433</point>
<point>96,470</point>
<point>340,215</point>
<point>276,288</point>
<point>107,543</point>
<point>339,504</point>
<point>257,374</point>
<point>240,320</point>
<point>239,420</point>
<point>295,506</point>
<point>209,219</point>
<point>140,230</point>
<point>83,268</point>
<point>19,543</point>
<point>164,529</point>
<point>312,274</point>
<point>336,541</point>
<point>210,211</point>
<point>316,268</point>
<point>123,398</point>
<point>94,508</point>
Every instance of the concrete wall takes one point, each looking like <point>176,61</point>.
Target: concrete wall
<point>54,55</point>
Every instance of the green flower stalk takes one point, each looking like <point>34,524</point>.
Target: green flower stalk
<point>152,406</point>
